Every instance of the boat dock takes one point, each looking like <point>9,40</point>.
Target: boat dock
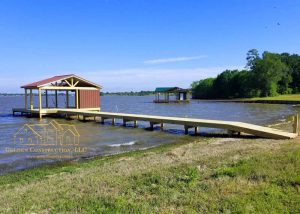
<point>188,123</point>
<point>86,99</point>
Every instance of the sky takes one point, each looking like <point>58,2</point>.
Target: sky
<point>133,45</point>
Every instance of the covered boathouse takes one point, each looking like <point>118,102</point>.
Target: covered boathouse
<point>82,93</point>
<point>171,94</point>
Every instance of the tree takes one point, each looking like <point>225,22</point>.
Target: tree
<point>223,84</point>
<point>268,71</point>
<point>252,58</point>
<point>204,89</point>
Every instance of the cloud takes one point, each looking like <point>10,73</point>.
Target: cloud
<point>175,59</point>
<point>131,79</point>
<point>137,79</point>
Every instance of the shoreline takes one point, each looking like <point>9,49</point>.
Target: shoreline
<point>202,172</point>
<point>286,102</point>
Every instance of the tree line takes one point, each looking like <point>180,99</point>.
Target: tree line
<point>267,75</point>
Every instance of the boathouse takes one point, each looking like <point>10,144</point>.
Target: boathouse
<point>82,93</point>
<point>171,94</point>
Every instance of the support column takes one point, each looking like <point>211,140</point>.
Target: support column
<point>76,101</point>
<point>40,104</point>
<point>186,129</point>
<point>67,98</point>
<point>113,121</point>
<point>31,100</point>
<point>296,124</point>
<point>26,103</point>
<point>135,124</point>
<point>151,125</point>
<point>196,130</point>
<point>162,126</point>
<point>46,94</point>
<point>124,122</point>
<point>56,104</point>
<point>102,120</point>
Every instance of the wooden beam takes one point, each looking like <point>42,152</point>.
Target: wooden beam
<point>68,83</point>
<point>62,88</point>
<point>76,83</point>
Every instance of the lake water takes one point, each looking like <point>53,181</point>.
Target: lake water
<point>98,139</point>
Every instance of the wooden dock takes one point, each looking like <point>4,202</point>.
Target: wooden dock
<point>188,123</point>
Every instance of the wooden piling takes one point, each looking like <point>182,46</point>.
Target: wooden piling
<point>151,125</point>
<point>296,124</point>
<point>162,126</point>
<point>186,129</point>
<point>196,130</point>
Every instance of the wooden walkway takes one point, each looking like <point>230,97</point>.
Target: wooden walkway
<point>232,127</point>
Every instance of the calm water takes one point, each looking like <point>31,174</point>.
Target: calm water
<point>105,140</point>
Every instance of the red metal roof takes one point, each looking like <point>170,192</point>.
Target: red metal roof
<point>46,81</point>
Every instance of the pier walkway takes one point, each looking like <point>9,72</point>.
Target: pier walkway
<point>188,123</point>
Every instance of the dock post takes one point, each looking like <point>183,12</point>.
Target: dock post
<point>162,126</point>
<point>135,124</point>
<point>40,104</point>
<point>151,125</point>
<point>31,100</point>
<point>186,129</point>
<point>102,120</point>
<point>296,124</point>
<point>113,121</point>
<point>26,101</point>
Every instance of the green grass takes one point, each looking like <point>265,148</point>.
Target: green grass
<point>288,97</point>
<point>209,176</point>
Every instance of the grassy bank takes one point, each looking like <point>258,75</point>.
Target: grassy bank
<point>208,175</point>
<point>288,97</point>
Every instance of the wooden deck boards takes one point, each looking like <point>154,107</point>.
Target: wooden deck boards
<point>255,130</point>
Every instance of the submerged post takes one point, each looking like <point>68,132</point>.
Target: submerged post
<point>296,124</point>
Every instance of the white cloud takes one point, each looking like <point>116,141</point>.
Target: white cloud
<point>133,79</point>
<point>137,79</point>
<point>175,59</point>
